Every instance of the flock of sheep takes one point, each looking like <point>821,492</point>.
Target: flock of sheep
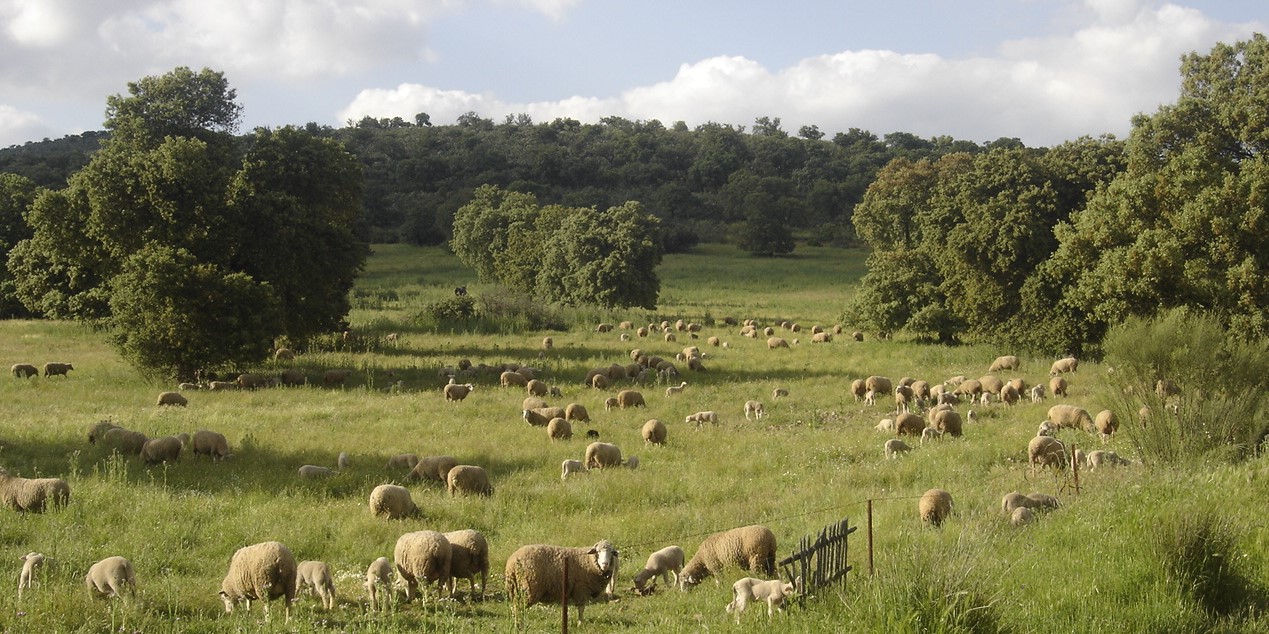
<point>535,573</point>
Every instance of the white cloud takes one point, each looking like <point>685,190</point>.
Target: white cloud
<point>17,126</point>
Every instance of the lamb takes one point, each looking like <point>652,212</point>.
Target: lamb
<point>749,589</point>
<point>1070,416</point>
<point>535,574</point>
<point>110,577</point>
<point>903,396</point>
<point>571,466</point>
<point>1105,458</point>
<point>457,391</point>
<point>1069,364</point>
<point>422,556</point>
<point>870,397</point>
<point>403,461</point>
<point>748,547</point>
<point>469,556</point>
<point>662,563</point>
<point>57,369</point>
<point>316,575</point>
<point>435,468</point>
<point>675,389</point>
<point>654,432</point>
<point>1008,362</point>
<point>1037,393</point>
<point>393,501</point>
<point>124,441</point>
<point>559,429</point>
<point>312,472</point>
<point>1107,424</point>
<point>32,494</point>
<point>630,398</point>
<point>1058,386</point>
<point>632,462</point>
<point>262,572</point>
<point>577,412</point>
<point>210,443</point>
<point>1046,451</point>
<point>1047,429</point>
<point>930,434</point>
<point>378,576</point>
<point>24,370</point>
<point>755,408</point>
<point>30,562</point>
<point>600,455</point>
<point>164,449</point>
<point>468,479</point>
<point>935,506</point>
<point>776,342</point>
<point>894,447</point>
<point>1021,516</point>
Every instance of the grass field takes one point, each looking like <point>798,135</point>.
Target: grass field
<point>1136,550</point>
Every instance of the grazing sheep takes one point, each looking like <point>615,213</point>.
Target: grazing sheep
<point>935,506</point>
<point>30,563</point>
<point>1021,516</point>
<point>663,563</point>
<point>110,577</point>
<point>378,578</point>
<point>885,425</point>
<point>610,403</point>
<point>316,575</point>
<point>1069,364</point>
<point>164,449</point>
<point>422,556</point>
<point>700,418</point>
<point>570,467</point>
<point>870,397</point>
<point>312,472</point>
<point>1008,362</point>
<point>1046,451</point>
<point>32,494</point>
<point>559,429</point>
<point>542,416</point>
<point>253,381</point>
<point>24,370</point>
<point>221,386</point>
<point>469,556</point>
<point>57,369</point>
<point>532,402</point>
<point>1105,458</point>
<point>535,574</point>
<point>600,455</point>
<point>1107,424</point>
<point>548,343</point>
<point>930,434</point>
<point>991,384</point>
<point>903,397</point>
<point>124,441</point>
<point>512,379</point>
<point>948,422</point>
<point>457,391</point>
<point>1014,500</point>
<point>749,589</point>
<point>210,443</point>
<point>537,388</point>
<point>1043,501</point>
<point>99,428</point>
<point>331,378</point>
<point>342,462</point>
<point>779,392</point>
<point>1058,386</point>
<point>1037,393</point>
<point>632,462</point>
<point>1009,395</point>
<point>291,377</point>
<point>857,335</point>
<point>1047,429</point>
<point>755,408</point>
<point>171,398</point>
<point>894,447</point>
<point>748,547</point>
<point>466,479</point>
<point>286,354</point>
<point>1164,388</point>
<point>260,572</point>
<point>675,389</point>
<point>859,388</point>
<point>630,398</point>
<point>969,387</point>
<point>434,468</point>
<point>908,424</point>
<point>403,461</point>
<point>879,384</point>
<point>577,412</point>
<point>392,501</point>
<point>654,432</point>
<point>776,342</point>
<point>1070,416</point>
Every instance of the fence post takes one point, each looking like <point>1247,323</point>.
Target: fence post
<point>870,568</point>
<point>1075,469</point>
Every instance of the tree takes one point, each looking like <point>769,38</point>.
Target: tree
<point>768,208</point>
<point>181,103</point>
<point>17,194</point>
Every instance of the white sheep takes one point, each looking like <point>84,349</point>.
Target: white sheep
<point>316,575</point>
<point>870,397</point>
<point>700,418</point>
<point>469,556</point>
<point>1070,416</point>
<point>600,455</point>
<point>210,443</point>
<point>378,578</point>
<point>260,572</point>
<point>779,392</point>
<point>392,501</point>
<point>935,506</point>
<point>434,468</point>
<point>774,592</point>
<point>541,416</point>
<point>1037,393</point>
<point>1058,386</point>
<point>886,425</point>
<point>466,479</point>
<point>1047,429</point>
<point>312,472</point>
<point>1105,458</point>
<point>403,461</point>
<point>457,391</point>
<point>755,408</point>
<point>110,577</point>
<point>663,563</point>
<point>175,399</point>
<point>675,389</point>
<point>559,429</point>
<point>654,432</point>
<point>422,556</point>
<point>30,563</point>
<point>1046,451</point>
<point>1007,362</point>
<point>342,462</point>
<point>748,547</point>
<point>535,574</point>
<point>894,447</point>
<point>1107,424</point>
<point>930,433</point>
<point>577,412</point>
<point>1021,516</point>
<point>570,467</point>
<point>32,494</point>
<point>1069,364</point>
<point>163,449</point>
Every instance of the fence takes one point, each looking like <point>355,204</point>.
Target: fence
<point>820,562</point>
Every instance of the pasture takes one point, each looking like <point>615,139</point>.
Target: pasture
<point>1106,561</point>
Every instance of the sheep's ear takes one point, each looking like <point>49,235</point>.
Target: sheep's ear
<point>592,551</point>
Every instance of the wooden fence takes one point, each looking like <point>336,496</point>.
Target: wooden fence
<point>821,561</point>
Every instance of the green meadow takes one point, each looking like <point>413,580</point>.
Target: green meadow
<point>1155,548</point>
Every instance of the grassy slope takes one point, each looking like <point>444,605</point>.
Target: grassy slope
<point>813,460</point>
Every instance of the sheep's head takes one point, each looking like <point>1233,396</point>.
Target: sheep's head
<point>605,556</point>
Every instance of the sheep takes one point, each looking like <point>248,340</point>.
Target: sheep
<point>542,416</point>
<point>124,441</point>
<point>779,392</point>
<point>662,563</point>
<point>1008,362</point>
<point>559,429</point>
<point>171,399</point>
<point>263,572</point>
<point>748,547</point>
<point>1013,501</point>
<point>654,432</point>
<point>210,443</point>
<point>776,342</point>
<point>331,378</point>
<point>708,416</point>
<point>857,335</point>
<point>577,412</point>
<point>378,576</point>
<point>1107,424</point>
<point>632,462</point>
<point>57,369</point>
<point>908,424</point>
<point>903,396</point>
<point>870,397</point>
<point>1037,393</point>
<point>435,468</point>
<point>600,455</point>
<point>535,574</point>
<point>252,381</point>
<point>342,461</point>
<point>921,390</point>
<point>457,391</point>
<point>602,328</point>
<point>98,429</point>
<point>755,408</point>
<point>894,447</point>
<point>32,494</point>
<point>291,377</point>
<point>1058,386</point>
<point>630,398</point>
<point>1105,458</point>
<point>24,370</point>
<point>859,388</point>
<point>935,506</point>
<point>1009,395</point>
<point>822,337</point>
<point>547,343</point>
<point>30,563</point>
<point>286,354</point>
<point>879,384</point>
<point>422,556</point>
<point>469,556</point>
<point>991,383</point>
<point>316,575</point>
<point>512,379</point>
<point>1069,364</point>
<point>1164,388</point>
<point>885,425</point>
<point>312,472</point>
<point>221,386</point>
<point>675,389</point>
<point>571,466</point>
<point>1042,501</point>
<point>775,592</point>
<point>930,434</point>
<point>984,399</point>
<point>392,501</point>
<point>1070,416</point>
<point>969,387</point>
<point>1047,429</point>
<point>948,422</point>
<point>1021,516</point>
<point>164,449</point>
<point>466,479</point>
<point>1046,451</point>
<point>110,577</point>
<point>713,341</point>
<point>403,461</point>
<point>537,388</point>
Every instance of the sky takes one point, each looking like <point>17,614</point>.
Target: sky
<point>1043,71</point>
